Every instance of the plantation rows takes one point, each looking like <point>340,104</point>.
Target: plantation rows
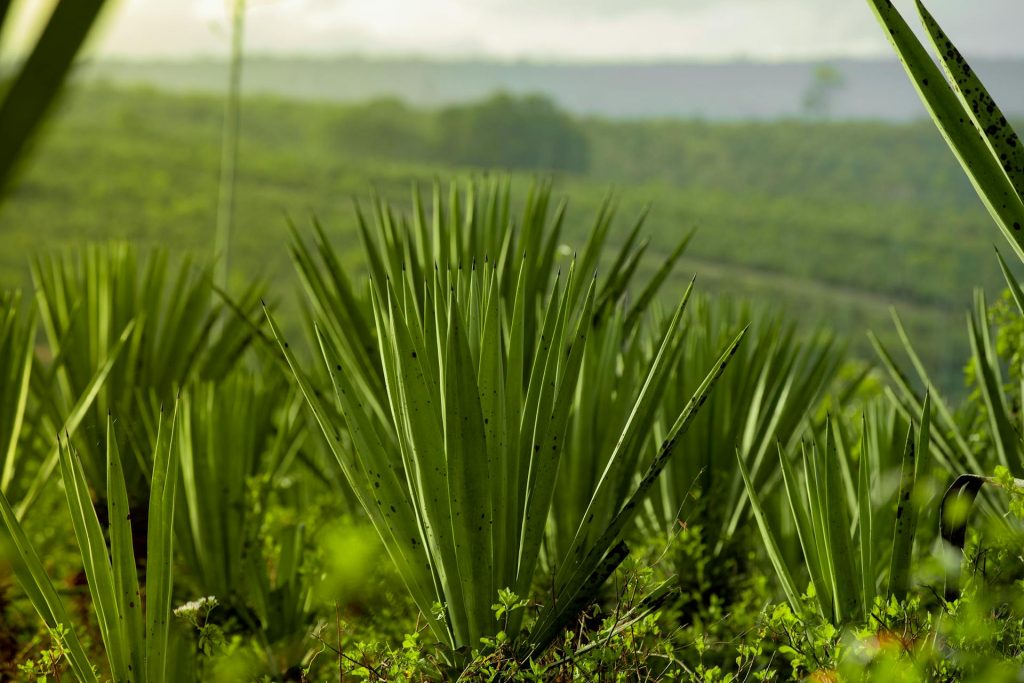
<point>824,211</point>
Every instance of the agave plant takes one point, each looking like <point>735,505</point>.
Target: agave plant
<point>856,540</point>
<point>134,623</point>
<point>25,431</point>
<point>455,394</point>
<point>472,227</point>
<point>772,395</point>
<point>237,440</point>
<point>16,353</point>
<point>983,436</point>
<point>477,226</point>
<point>230,440</point>
<point>990,152</point>
<point>624,341</point>
<point>612,373</point>
<point>89,302</point>
<point>26,96</point>
<point>977,131</point>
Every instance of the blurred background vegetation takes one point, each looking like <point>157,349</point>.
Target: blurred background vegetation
<point>834,220</point>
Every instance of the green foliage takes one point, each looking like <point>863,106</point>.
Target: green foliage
<point>817,206</point>
<point>134,625</point>
<point>516,133</point>
<point>842,557</point>
<point>167,323</point>
<point>977,132</point>
<point>16,347</point>
<point>523,349</point>
<point>972,639</point>
<point>772,394</point>
<point>51,661</point>
<point>238,440</point>
<point>501,415</point>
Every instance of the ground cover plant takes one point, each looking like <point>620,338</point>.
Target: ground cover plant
<point>504,448</point>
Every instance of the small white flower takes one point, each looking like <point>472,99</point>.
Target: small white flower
<point>193,610</point>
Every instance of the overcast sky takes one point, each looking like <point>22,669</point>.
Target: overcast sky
<point>543,29</point>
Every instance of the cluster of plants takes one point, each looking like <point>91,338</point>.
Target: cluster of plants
<point>489,455</point>
<point>446,403</point>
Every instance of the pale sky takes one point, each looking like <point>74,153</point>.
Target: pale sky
<point>541,29</point>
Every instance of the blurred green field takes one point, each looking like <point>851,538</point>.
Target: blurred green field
<point>835,221</point>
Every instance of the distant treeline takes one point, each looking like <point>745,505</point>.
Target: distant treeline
<point>521,133</point>
<point>848,89</point>
<point>853,161</point>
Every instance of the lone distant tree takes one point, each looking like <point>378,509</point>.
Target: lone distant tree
<point>818,98</point>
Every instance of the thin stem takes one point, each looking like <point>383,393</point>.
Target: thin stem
<point>229,148</point>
